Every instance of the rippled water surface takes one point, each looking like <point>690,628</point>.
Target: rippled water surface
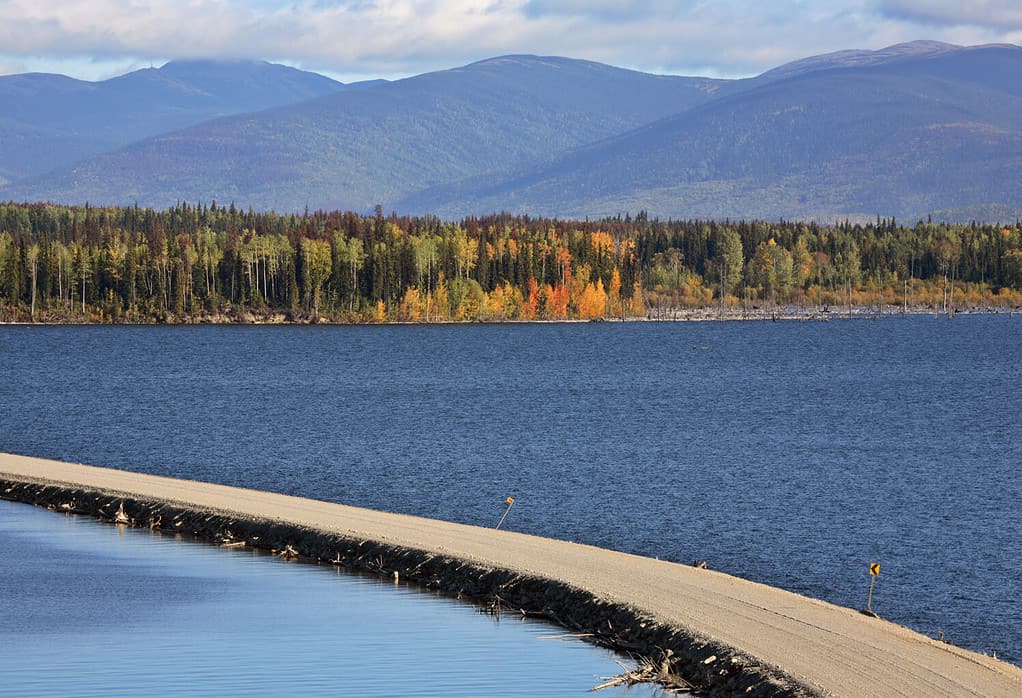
<point>788,453</point>
<point>90,610</point>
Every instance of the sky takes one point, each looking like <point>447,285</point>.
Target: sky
<point>359,39</point>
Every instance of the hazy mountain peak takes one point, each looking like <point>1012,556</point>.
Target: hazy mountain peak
<point>209,70</point>
<point>855,58</point>
<point>529,62</point>
<point>917,47</point>
<point>523,59</point>
<point>189,64</point>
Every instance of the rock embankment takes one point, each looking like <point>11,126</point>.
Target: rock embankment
<point>707,667</point>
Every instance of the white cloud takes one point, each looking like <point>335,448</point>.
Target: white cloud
<point>610,10</point>
<point>995,14</point>
<point>402,37</point>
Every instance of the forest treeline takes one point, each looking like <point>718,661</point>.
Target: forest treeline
<point>131,264</point>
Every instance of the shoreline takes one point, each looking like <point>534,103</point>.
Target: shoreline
<point>663,315</point>
<point>763,641</point>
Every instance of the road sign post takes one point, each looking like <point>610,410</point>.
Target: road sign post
<point>510,502</point>
<point>874,572</point>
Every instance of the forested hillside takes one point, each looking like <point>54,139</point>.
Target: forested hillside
<point>358,148</point>
<point>186,263</point>
<point>51,121</point>
<point>903,133</point>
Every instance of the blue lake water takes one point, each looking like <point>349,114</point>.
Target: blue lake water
<point>90,610</point>
<point>789,453</point>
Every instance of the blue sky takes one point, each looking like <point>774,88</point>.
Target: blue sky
<point>355,39</point>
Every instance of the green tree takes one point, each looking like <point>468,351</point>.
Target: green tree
<point>32,258</point>
<point>354,258</point>
<point>1013,269</point>
<point>315,270</point>
<point>10,269</point>
<point>728,261</point>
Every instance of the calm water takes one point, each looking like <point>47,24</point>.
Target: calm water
<point>788,453</point>
<point>92,611</point>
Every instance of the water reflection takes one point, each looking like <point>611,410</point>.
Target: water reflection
<point>93,610</point>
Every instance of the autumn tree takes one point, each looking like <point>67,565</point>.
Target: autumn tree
<point>103,262</point>
<point>615,303</point>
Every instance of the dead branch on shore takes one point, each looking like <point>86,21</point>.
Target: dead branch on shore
<point>494,607</point>
<point>288,553</point>
<point>649,670</point>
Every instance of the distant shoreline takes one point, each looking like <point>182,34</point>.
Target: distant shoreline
<point>709,314</point>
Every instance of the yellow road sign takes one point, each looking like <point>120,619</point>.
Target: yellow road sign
<point>510,500</point>
<point>874,568</point>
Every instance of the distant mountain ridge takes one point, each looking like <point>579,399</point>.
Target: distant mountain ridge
<point>356,148</point>
<point>858,58</point>
<point>907,136</point>
<point>49,121</point>
<point>910,130</point>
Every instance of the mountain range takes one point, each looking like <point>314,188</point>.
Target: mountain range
<point>913,130</point>
<point>52,121</point>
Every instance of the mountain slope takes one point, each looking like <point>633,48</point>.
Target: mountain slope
<point>905,131</point>
<point>357,148</point>
<point>903,136</point>
<point>51,121</point>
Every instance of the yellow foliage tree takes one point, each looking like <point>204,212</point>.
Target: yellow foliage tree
<point>493,306</point>
<point>410,308</point>
<point>602,244</point>
<point>441,300</point>
<point>593,302</point>
<point>530,308</point>
<point>615,304</point>
<point>504,302</point>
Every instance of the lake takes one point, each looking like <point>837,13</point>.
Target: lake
<point>789,453</point>
<point>93,610</point>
